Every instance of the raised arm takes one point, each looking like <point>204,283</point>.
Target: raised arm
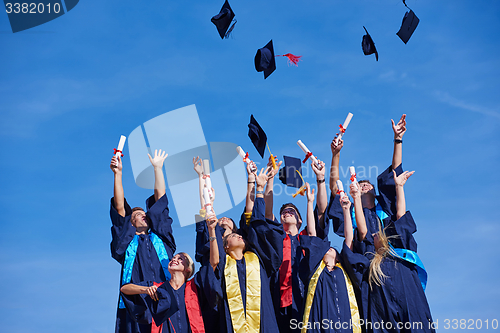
<point>400,194</point>
<point>119,197</point>
<point>311,225</point>
<point>214,248</point>
<point>269,194</point>
<point>348,232</point>
<point>250,199</point>
<point>157,163</point>
<point>198,167</point>
<point>399,130</point>
<point>334,168</point>
<point>322,199</point>
<point>358,211</point>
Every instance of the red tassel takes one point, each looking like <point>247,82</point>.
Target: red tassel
<point>292,59</point>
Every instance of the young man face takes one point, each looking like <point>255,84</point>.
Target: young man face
<point>289,216</point>
<point>139,219</point>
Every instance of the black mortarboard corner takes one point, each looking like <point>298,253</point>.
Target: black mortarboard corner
<point>368,45</point>
<point>288,174</point>
<point>223,20</point>
<point>264,59</point>
<point>257,135</point>
<point>410,22</point>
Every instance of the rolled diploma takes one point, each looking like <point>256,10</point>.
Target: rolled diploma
<point>208,182</point>
<point>353,173</point>
<point>307,151</point>
<point>241,153</point>
<point>346,123</point>
<point>340,188</point>
<point>121,144</point>
<point>208,205</point>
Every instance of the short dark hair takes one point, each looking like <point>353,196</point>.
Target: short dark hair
<point>366,181</point>
<point>141,209</point>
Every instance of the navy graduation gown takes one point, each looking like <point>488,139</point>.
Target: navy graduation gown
<point>146,266</point>
<point>386,200</point>
<point>299,289</point>
<point>330,309</point>
<point>401,299</point>
<point>169,310</point>
<point>264,238</point>
<point>202,255</point>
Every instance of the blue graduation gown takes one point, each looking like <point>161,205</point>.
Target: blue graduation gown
<point>295,311</point>
<point>265,239</point>
<point>401,299</point>
<point>386,200</point>
<point>330,310</point>
<point>202,255</point>
<point>147,266</point>
<point>169,310</point>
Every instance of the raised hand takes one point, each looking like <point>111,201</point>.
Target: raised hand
<point>198,167</point>
<point>309,193</point>
<point>320,174</point>
<point>345,202</point>
<point>399,128</point>
<point>355,191</point>
<point>116,164</point>
<point>157,160</point>
<point>262,178</point>
<point>402,178</point>
<point>270,170</point>
<point>336,146</point>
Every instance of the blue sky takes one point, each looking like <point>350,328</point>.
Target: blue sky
<point>72,86</point>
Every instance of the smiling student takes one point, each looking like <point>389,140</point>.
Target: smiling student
<point>142,242</point>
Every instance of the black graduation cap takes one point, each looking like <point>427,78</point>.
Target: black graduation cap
<point>264,59</point>
<point>257,135</point>
<point>223,20</point>
<point>368,45</point>
<point>410,22</point>
<point>288,174</point>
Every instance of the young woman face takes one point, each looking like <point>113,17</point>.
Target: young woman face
<point>179,263</point>
<point>235,241</point>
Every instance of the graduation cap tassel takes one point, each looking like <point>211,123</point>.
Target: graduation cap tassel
<point>292,59</point>
<point>404,3</point>
<point>226,36</point>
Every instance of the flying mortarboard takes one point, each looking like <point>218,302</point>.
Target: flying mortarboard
<point>223,20</point>
<point>368,45</point>
<point>264,59</point>
<point>257,135</point>
<point>410,22</point>
<point>288,175</point>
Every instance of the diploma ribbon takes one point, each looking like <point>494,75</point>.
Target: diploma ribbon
<point>353,177</point>
<point>309,154</point>
<point>246,157</point>
<point>205,176</point>
<point>117,151</point>
<point>342,129</point>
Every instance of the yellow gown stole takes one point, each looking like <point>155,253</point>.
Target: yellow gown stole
<point>350,291</point>
<point>248,322</point>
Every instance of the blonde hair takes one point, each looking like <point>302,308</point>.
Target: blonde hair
<point>376,275</point>
<point>190,265</point>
